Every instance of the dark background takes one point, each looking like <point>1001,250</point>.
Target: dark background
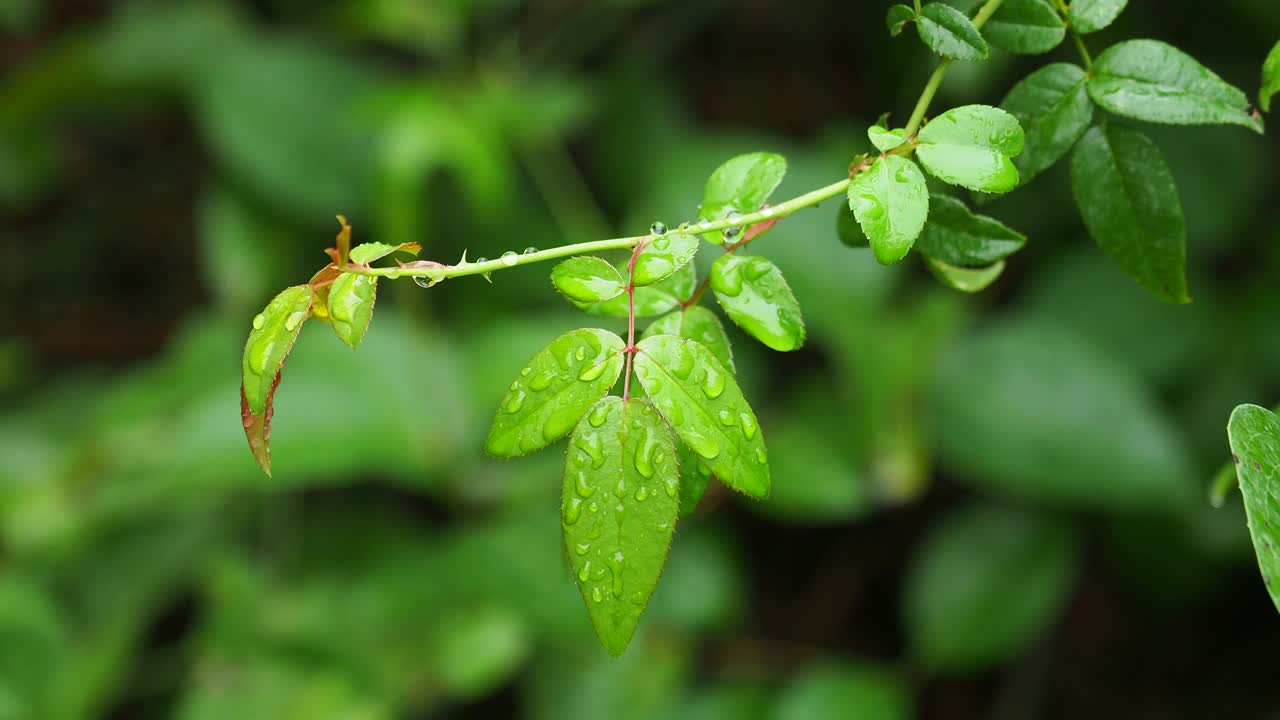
<point>166,167</point>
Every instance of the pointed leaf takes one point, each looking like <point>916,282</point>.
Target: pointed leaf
<point>1156,82</point>
<point>620,504</point>
<point>957,605</point>
<point>1254,433</point>
<point>886,140</point>
<point>350,305</point>
<point>1025,27</point>
<point>956,236</point>
<point>553,391</point>
<point>587,280</point>
<point>701,401</point>
<point>950,33</point>
<point>1054,110</point>
<point>696,323</point>
<point>847,228</point>
<point>897,18</point>
<point>970,280</point>
<point>694,478</point>
<point>651,299</point>
<point>742,184</point>
<point>274,331</point>
<point>663,255</point>
<point>365,253</point>
<point>972,146</point>
<point>1129,202</point>
<point>890,201</point>
<point>1087,16</point>
<point>1270,78</point>
<point>755,295</point>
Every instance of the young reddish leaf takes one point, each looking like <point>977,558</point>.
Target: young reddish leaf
<point>274,331</point>
<point>365,253</point>
<point>343,241</point>
<point>257,428</point>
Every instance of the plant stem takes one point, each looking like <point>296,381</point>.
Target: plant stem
<point>931,87</point>
<point>1084,51</point>
<point>442,272</point>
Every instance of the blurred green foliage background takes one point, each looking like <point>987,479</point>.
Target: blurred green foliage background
<point>983,507</point>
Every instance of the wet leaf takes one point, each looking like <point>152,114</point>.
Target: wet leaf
<point>694,478</point>
<point>957,602</point>
<point>366,253</point>
<point>1156,82</point>
<point>1270,78</point>
<point>950,33</point>
<point>742,184</point>
<point>274,331</point>
<point>1129,202</point>
<point>755,295</point>
<point>1254,433</point>
<point>651,300</point>
<point>663,255</point>
<point>553,391</point>
<point>701,401</point>
<point>897,18</point>
<point>696,323</point>
<point>350,305</point>
<point>587,280</point>
<point>890,201</point>
<point>972,146</point>
<point>1025,27</point>
<point>1054,110</point>
<point>1087,16</point>
<point>619,508</point>
<point>886,140</point>
<point>956,236</point>
<point>964,279</point>
<point>848,230</point>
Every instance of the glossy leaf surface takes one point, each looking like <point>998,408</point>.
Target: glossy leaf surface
<point>701,401</point>
<point>964,279</point>
<point>1254,433</point>
<point>897,18</point>
<point>742,184</point>
<point>950,33</point>
<point>1270,78</point>
<point>651,300</point>
<point>1088,16</point>
<point>587,280</point>
<point>365,253</point>
<point>620,501</point>
<point>350,305</point>
<point>1025,27</point>
<point>957,236</point>
<point>755,295</point>
<point>553,391</point>
<point>972,146</point>
<point>663,255</point>
<point>274,331</point>
<point>890,202</point>
<point>696,323</point>
<point>1054,110</point>
<point>885,140</point>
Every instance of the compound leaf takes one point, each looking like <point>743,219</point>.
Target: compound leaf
<point>742,184</point>
<point>1054,110</point>
<point>755,295</point>
<point>972,146</point>
<point>890,200</point>
<point>619,509</point>
<point>701,401</point>
<point>587,280</point>
<point>553,391</point>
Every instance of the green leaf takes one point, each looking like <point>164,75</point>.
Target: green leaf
<point>350,305</point>
<point>964,279</point>
<point>618,511</point>
<point>587,280</point>
<point>890,201</point>
<point>366,253</point>
<point>984,585</point>
<point>1025,27</point>
<point>898,17</point>
<point>1270,78</point>
<point>1054,110</point>
<point>651,299</point>
<point>956,236</point>
<point>554,390</point>
<point>701,401</point>
<point>756,297</point>
<point>696,323</point>
<point>1087,16</point>
<point>1254,433</point>
<point>1019,410</point>
<point>694,478</point>
<point>274,331</point>
<point>886,140</point>
<point>742,184</point>
<point>1129,202</point>
<point>661,256</point>
<point>831,689</point>
<point>1156,82</point>
<point>949,33</point>
<point>847,228</point>
<point>972,146</point>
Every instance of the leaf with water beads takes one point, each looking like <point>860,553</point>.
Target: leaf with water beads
<point>741,185</point>
<point>274,331</point>
<point>366,253</point>
<point>655,299</point>
<point>890,201</point>
<point>552,392</point>
<point>957,236</point>
<point>1156,82</point>
<point>885,140</point>
<point>620,501</point>
<point>972,146</point>
<point>350,306</point>
<point>696,323</point>
<point>702,402</point>
<point>950,33</point>
<point>1054,110</point>
<point>587,280</point>
<point>756,296</point>
<point>1026,27</point>
<point>1254,433</point>
<point>661,256</point>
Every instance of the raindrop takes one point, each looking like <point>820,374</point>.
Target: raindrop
<point>713,384</point>
<point>530,250</point>
<point>258,321</point>
<point>642,494</point>
<point>580,353</point>
<point>591,444</point>
<point>592,372</point>
<point>573,511</point>
<point>598,415</point>
<point>515,402</point>
<point>510,258</point>
<point>658,228</point>
<point>726,418</point>
<point>541,381</point>
<point>671,488</point>
<point>615,564</point>
<point>748,425</point>
<point>761,456</point>
<point>424,282</point>
<point>585,573</point>
<point>595,595</point>
<point>292,322</point>
<point>701,444</point>
<point>524,372</point>
<point>731,233</point>
<point>582,488</point>
<point>583,548</point>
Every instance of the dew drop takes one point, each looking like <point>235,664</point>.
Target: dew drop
<point>580,353</point>
<point>540,382</point>
<point>594,507</point>
<point>748,425</point>
<point>560,422</point>
<point>514,402</point>
<point>762,457</point>
<point>713,383</point>
<point>292,322</point>
<point>524,372</point>
<point>615,564</point>
<point>510,258</point>
<point>592,372</point>
<point>573,511</point>
<point>658,228</point>
<point>671,488</point>
<point>644,456</point>
<point>592,445</point>
<point>598,415</point>
<point>642,494</point>
<point>582,488</point>
<point>683,365</point>
<point>585,573</point>
<point>596,595</point>
<point>620,491</point>
<point>530,250</point>
<point>726,418</point>
<point>701,444</point>
<point>659,458</point>
<point>258,321</point>
<point>582,548</point>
